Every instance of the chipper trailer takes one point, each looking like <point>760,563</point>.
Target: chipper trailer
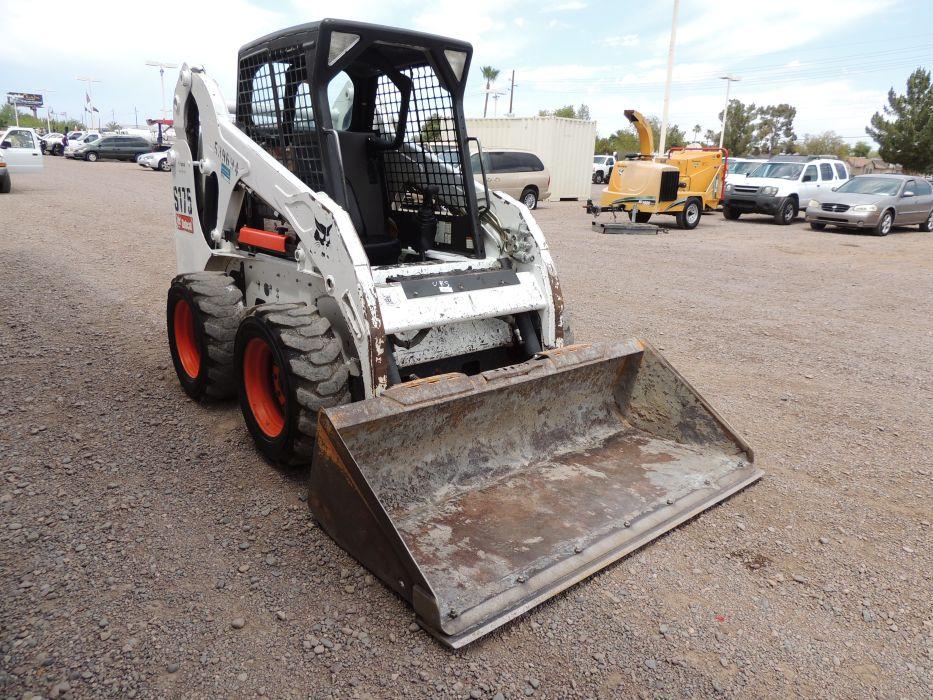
<point>399,330</point>
<point>684,183</point>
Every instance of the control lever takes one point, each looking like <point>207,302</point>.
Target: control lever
<point>427,221</point>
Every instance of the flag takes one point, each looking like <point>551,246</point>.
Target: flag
<point>87,98</point>
<point>94,109</point>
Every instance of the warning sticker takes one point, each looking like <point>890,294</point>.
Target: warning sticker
<point>184,223</point>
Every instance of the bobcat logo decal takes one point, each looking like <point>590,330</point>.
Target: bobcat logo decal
<point>322,233</point>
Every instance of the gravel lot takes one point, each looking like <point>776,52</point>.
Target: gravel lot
<point>147,551</point>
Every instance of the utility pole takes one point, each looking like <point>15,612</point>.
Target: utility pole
<point>512,94</point>
<point>725,110</point>
<point>667,84</point>
<point>136,112</point>
<point>162,66</point>
<point>88,100</point>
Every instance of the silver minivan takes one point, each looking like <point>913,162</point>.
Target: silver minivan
<point>520,174</point>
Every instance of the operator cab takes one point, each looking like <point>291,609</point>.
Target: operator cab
<point>372,116</point>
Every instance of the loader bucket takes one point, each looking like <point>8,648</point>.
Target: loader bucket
<point>476,498</point>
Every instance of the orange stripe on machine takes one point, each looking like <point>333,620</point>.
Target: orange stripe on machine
<point>262,239</point>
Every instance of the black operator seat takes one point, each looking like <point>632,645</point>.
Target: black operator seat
<point>364,199</point>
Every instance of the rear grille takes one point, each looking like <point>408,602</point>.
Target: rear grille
<point>838,208</point>
<point>670,180</point>
<point>745,189</point>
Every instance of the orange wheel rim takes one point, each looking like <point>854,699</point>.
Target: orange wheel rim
<point>186,340</point>
<point>262,378</point>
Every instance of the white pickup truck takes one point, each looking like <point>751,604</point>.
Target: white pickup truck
<point>20,152</point>
<point>602,168</point>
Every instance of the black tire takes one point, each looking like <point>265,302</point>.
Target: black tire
<point>58,150</point>
<point>6,184</point>
<point>817,225</point>
<point>163,165</point>
<point>215,305</point>
<point>305,373</point>
<point>598,178</point>
<point>787,213</point>
<point>530,197</point>
<point>688,218</point>
<point>91,157</point>
<point>731,213</point>
<point>885,223</point>
<point>642,217</point>
<point>927,225</point>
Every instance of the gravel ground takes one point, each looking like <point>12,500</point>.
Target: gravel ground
<point>147,551</point>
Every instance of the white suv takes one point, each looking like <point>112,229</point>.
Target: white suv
<point>779,186</point>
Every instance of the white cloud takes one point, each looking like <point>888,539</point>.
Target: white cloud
<point>568,6</point>
<point>615,42</point>
<point>760,28</point>
<point>487,24</point>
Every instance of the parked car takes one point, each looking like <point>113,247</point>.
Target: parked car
<point>73,146</point>
<point>6,182</point>
<point>739,168</point>
<point>874,202</point>
<point>114,147</point>
<point>782,185</point>
<point>157,160</point>
<point>47,142</point>
<point>602,168</point>
<point>21,150</point>
<point>519,174</point>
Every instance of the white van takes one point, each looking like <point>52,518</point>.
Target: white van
<point>22,150</point>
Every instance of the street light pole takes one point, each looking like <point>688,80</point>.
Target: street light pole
<point>725,110</point>
<point>162,66</point>
<point>667,84</point>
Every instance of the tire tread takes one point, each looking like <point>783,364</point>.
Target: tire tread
<point>220,304</point>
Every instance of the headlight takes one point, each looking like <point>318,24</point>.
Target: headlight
<point>768,191</point>
<point>728,188</point>
<point>813,203</point>
<point>864,207</point>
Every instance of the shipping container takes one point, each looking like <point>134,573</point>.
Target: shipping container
<point>564,145</point>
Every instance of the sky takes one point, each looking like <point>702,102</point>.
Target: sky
<point>833,59</point>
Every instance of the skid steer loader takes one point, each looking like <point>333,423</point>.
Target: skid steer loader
<point>390,321</point>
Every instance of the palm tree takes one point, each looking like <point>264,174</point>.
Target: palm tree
<point>490,74</point>
<point>696,131</point>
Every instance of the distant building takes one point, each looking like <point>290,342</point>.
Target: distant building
<point>868,166</point>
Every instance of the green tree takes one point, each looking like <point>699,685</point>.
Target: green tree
<point>489,75</point>
<point>8,118</point>
<point>861,149</point>
<point>775,132</point>
<point>113,126</point>
<point>696,132</point>
<point>567,112</point>
<point>431,129</point>
<point>675,135</point>
<point>904,131</point>
<point>740,129</point>
<point>827,143</point>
